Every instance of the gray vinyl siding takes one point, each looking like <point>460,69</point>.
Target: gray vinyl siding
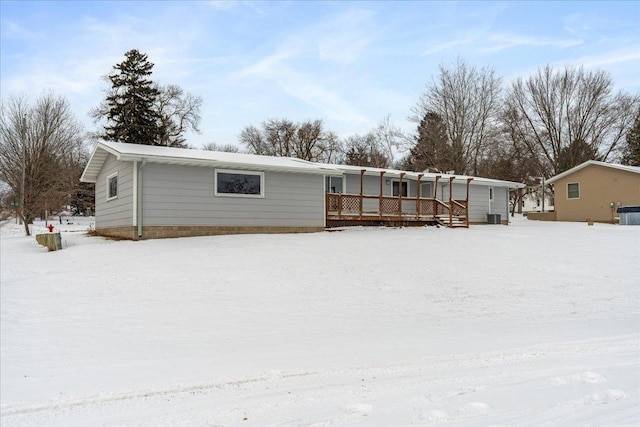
<point>479,203</point>
<point>117,212</point>
<point>184,196</point>
<point>499,204</point>
<point>371,185</point>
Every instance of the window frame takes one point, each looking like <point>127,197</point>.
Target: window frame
<point>238,172</point>
<point>568,192</point>
<point>399,189</point>
<point>108,180</point>
<point>328,181</point>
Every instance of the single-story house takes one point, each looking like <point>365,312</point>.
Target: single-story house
<point>532,200</point>
<point>593,191</point>
<point>151,192</point>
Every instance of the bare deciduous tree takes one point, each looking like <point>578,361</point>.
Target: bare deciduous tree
<point>281,137</point>
<point>566,117</point>
<point>366,150</point>
<point>468,100</point>
<point>227,148</point>
<point>41,152</point>
<point>179,112</point>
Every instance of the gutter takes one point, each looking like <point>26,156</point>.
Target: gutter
<point>139,196</point>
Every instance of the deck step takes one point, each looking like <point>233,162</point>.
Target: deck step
<point>452,222</point>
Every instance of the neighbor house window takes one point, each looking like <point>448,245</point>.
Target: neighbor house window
<point>491,194</point>
<point>573,190</point>
<point>396,185</point>
<point>112,186</point>
<point>238,183</point>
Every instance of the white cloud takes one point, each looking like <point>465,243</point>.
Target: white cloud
<point>447,45</point>
<point>500,42</point>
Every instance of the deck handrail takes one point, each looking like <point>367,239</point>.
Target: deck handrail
<point>352,207</point>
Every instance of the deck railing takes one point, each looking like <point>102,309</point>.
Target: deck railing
<point>355,207</point>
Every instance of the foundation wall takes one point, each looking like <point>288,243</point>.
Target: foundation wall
<point>164,232</point>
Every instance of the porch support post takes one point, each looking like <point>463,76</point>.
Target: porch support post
<point>400,194</point>
<point>450,199</point>
<point>435,196</point>
<point>361,189</point>
<point>466,202</point>
<point>380,197</point>
<point>418,196</point>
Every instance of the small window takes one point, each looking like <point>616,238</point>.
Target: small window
<point>573,190</point>
<point>334,184</point>
<point>239,183</point>
<point>405,188</point>
<point>112,186</point>
<point>491,194</point>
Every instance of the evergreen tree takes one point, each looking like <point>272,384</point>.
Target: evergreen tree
<point>130,106</point>
<point>431,149</point>
<point>577,152</point>
<point>631,150</point>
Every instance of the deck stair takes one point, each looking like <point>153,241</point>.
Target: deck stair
<point>453,221</point>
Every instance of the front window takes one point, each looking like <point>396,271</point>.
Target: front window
<point>573,190</point>
<point>112,186</point>
<point>334,184</point>
<point>396,186</point>
<point>239,183</point>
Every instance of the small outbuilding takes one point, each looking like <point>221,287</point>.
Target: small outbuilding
<point>593,191</point>
<point>153,192</point>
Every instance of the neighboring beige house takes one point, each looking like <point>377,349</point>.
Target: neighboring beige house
<point>594,190</point>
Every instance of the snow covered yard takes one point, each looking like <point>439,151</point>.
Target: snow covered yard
<point>532,324</point>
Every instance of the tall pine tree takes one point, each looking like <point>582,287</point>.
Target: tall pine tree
<point>631,150</point>
<point>130,107</point>
<point>431,149</point>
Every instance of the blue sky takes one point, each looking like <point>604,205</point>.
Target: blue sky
<point>348,63</point>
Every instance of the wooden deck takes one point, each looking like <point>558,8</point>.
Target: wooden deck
<point>362,209</point>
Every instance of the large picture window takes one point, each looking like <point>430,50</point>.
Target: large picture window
<point>573,190</point>
<point>112,186</point>
<point>238,183</point>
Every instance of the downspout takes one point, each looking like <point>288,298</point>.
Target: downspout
<point>508,206</point>
<point>134,213</point>
<point>139,201</point>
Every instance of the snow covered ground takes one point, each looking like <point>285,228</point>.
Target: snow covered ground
<point>533,324</point>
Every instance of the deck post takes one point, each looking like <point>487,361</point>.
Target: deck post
<point>400,194</point>
<point>466,203</point>
<point>380,197</point>
<point>435,196</point>
<point>361,189</point>
<point>418,196</point>
<point>450,199</point>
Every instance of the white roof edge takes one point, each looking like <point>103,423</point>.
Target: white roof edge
<point>633,169</point>
<point>132,152</point>
<point>432,175</point>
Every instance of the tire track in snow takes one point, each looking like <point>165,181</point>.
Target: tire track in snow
<point>435,387</point>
